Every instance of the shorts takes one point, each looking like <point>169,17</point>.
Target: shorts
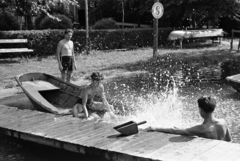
<point>67,63</point>
<point>88,104</point>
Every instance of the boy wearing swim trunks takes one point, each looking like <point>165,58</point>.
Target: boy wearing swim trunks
<point>65,56</point>
<point>211,128</point>
<point>85,105</point>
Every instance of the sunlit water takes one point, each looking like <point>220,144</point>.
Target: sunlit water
<point>177,107</point>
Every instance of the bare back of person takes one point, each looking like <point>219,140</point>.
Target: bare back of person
<point>215,129</point>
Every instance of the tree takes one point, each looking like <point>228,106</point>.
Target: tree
<point>34,7</point>
<point>196,12</point>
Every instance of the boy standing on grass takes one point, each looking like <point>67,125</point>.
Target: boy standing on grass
<point>211,128</point>
<point>65,56</point>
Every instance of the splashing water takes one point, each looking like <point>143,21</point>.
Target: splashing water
<point>176,106</point>
<point>163,108</point>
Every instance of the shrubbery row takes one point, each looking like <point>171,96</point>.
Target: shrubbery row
<point>44,42</point>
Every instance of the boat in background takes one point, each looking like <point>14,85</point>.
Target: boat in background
<point>234,81</point>
<point>48,93</point>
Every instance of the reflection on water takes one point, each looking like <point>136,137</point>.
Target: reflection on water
<point>164,108</point>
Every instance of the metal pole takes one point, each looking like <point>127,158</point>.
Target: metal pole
<point>87,27</point>
<point>155,35</point>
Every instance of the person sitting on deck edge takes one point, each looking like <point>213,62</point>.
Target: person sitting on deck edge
<point>85,105</point>
<point>211,128</point>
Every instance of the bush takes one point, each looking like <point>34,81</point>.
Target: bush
<point>230,67</point>
<point>106,23</point>
<point>44,42</point>
<point>8,21</point>
<point>50,23</point>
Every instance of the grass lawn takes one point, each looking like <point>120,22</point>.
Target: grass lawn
<point>115,63</point>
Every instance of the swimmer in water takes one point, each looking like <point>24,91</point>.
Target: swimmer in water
<point>211,128</point>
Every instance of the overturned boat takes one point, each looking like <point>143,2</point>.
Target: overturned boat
<point>234,81</point>
<point>48,93</point>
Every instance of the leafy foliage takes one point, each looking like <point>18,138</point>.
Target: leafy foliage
<point>106,23</point>
<point>49,23</point>
<point>44,42</point>
<point>8,21</point>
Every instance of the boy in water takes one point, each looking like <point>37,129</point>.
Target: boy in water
<point>85,104</point>
<point>65,56</point>
<point>211,128</point>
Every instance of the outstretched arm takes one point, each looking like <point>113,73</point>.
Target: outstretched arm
<point>193,131</point>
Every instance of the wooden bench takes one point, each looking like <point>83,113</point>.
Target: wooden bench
<point>14,50</point>
<point>180,35</point>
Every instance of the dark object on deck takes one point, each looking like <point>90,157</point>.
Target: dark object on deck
<point>234,81</point>
<point>48,93</point>
<point>128,128</point>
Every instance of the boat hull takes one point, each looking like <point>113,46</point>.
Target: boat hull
<point>234,81</point>
<point>48,93</point>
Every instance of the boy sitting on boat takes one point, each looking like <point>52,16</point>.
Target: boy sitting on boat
<point>86,106</point>
<point>211,128</point>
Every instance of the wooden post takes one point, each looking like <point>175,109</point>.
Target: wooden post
<point>123,17</point>
<point>155,35</point>
<point>231,43</point>
<point>87,27</point>
<point>180,40</point>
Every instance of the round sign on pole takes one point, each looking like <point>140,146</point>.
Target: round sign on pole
<point>157,10</point>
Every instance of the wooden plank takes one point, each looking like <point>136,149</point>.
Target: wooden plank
<point>133,141</point>
<point>50,126</point>
<point>31,122</point>
<point>189,151</point>
<point>9,41</point>
<point>171,146</point>
<point>56,128</point>
<point>71,129</point>
<point>93,138</point>
<point>19,118</point>
<point>77,131</point>
<point>16,50</point>
<point>44,125</point>
<point>215,152</point>
<point>231,155</point>
<point>85,131</point>
<point>152,141</point>
<point>155,143</point>
<point>118,141</point>
<point>237,159</point>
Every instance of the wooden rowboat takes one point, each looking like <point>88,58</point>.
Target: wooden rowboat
<point>234,81</point>
<point>48,93</point>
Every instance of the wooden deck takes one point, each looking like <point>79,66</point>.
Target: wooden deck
<point>100,139</point>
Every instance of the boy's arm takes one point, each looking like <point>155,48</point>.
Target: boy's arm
<point>193,131</point>
<point>59,51</point>
<point>74,59</point>
<point>104,100</point>
<point>84,102</point>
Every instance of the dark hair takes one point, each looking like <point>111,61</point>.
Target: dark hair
<point>68,30</point>
<point>207,104</point>
<point>96,76</point>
